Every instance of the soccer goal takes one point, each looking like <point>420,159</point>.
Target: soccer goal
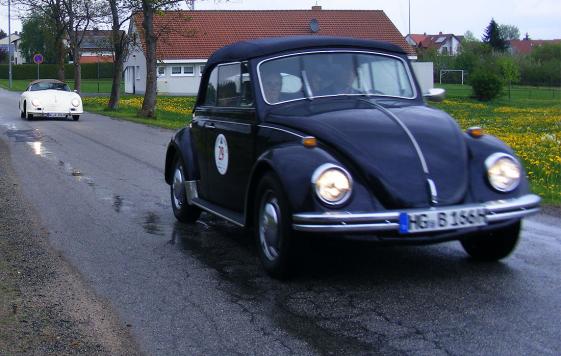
<point>452,75</point>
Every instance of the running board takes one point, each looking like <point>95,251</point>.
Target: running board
<point>230,215</point>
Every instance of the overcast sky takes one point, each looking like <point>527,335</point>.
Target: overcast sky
<point>541,19</point>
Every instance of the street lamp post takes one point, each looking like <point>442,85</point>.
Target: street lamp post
<point>9,47</point>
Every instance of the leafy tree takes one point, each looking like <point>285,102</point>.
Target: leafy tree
<point>37,37</point>
<point>509,71</point>
<point>470,37</point>
<point>493,37</point>
<point>472,55</point>
<point>509,32</point>
<point>486,83</point>
<point>3,34</point>
<point>119,15</point>
<point>3,55</point>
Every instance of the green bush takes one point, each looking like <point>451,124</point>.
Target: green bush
<point>29,71</point>
<point>486,83</point>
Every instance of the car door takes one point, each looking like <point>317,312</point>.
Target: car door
<point>230,127</point>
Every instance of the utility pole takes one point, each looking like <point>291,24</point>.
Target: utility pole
<point>9,47</point>
<point>409,17</point>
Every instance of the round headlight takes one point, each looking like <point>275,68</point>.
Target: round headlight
<point>35,102</point>
<point>503,172</point>
<point>75,102</point>
<point>333,185</point>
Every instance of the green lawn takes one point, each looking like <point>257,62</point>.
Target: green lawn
<point>88,85</point>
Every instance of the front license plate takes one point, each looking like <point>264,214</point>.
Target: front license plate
<point>442,219</point>
<point>55,114</point>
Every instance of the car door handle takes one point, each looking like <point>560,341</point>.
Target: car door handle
<point>210,125</point>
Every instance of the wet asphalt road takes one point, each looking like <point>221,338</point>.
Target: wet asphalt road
<point>98,187</point>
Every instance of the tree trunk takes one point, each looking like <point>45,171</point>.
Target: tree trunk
<point>149,103</point>
<point>77,70</point>
<point>119,49</point>
<point>116,84</point>
<point>60,59</point>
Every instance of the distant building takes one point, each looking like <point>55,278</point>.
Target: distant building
<point>97,46</point>
<point>526,45</point>
<point>447,44</point>
<point>16,53</point>
<point>194,35</point>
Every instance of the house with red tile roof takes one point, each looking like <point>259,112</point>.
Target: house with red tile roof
<point>526,45</point>
<point>190,37</point>
<point>443,43</point>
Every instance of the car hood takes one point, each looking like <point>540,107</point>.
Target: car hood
<point>383,154</point>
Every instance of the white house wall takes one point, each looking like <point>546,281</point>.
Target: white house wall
<point>183,84</point>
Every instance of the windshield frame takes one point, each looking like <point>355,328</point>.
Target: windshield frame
<point>403,61</point>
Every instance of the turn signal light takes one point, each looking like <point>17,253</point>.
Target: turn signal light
<point>309,141</point>
<point>475,132</point>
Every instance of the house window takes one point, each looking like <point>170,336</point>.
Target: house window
<point>189,70</point>
<point>161,71</point>
<point>175,70</point>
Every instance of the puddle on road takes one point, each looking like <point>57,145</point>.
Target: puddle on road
<point>30,135</point>
<point>152,224</point>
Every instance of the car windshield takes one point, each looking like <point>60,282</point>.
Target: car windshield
<point>311,75</point>
<point>49,85</point>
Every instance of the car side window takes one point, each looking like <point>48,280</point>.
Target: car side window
<point>210,96</point>
<point>229,85</point>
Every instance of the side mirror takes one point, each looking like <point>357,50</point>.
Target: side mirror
<point>435,94</point>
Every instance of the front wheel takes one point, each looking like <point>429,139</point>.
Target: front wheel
<point>493,245</point>
<point>273,228</point>
<point>182,210</point>
<point>75,117</point>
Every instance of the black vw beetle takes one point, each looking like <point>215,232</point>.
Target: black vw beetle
<point>325,135</point>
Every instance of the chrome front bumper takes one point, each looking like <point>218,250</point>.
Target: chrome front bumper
<point>496,211</point>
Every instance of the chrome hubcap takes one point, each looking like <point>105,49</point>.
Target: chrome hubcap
<point>178,187</point>
<point>269,227</point>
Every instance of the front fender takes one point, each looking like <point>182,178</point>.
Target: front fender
<point>481,190</point>
<point>294,166</point>
<point>181,145</point>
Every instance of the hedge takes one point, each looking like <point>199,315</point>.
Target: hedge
<point>29,71</point>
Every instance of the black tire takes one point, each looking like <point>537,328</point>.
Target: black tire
<point>75,117</point>
<point>25,114</point>
<point>493,245</point>
<point>182,210</point>
<point>21,114</point>
<point>273,228</point>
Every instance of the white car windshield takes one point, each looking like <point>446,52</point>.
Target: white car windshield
<point>320,74</point>
<point>49,85</point>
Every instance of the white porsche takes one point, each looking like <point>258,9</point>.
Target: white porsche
<point>50,98</point>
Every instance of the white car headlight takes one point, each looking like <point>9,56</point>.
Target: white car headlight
<point>35,102</point>
<point>333,184</point>
<point>75,102</point>
<point>503,172</point>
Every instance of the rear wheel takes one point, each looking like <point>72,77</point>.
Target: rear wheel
<point>182,210</point>
<point>273,228</point>
<point>493,245</point>
<point>26,115</point>
<point>75,117</point>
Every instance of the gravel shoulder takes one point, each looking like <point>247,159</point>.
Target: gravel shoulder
<point>45,306</point>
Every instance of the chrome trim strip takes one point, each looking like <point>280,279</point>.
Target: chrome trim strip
<point>524,202</point>
<point>228,122</point>
<point>497,211</point>
<point>279,129</point>
<point>511,215</point>
<point>347,228</point>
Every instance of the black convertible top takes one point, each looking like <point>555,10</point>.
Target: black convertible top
<point>244,50</point>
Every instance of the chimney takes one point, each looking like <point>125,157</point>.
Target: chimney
<point>440,33</point>
<point>316,7</point>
